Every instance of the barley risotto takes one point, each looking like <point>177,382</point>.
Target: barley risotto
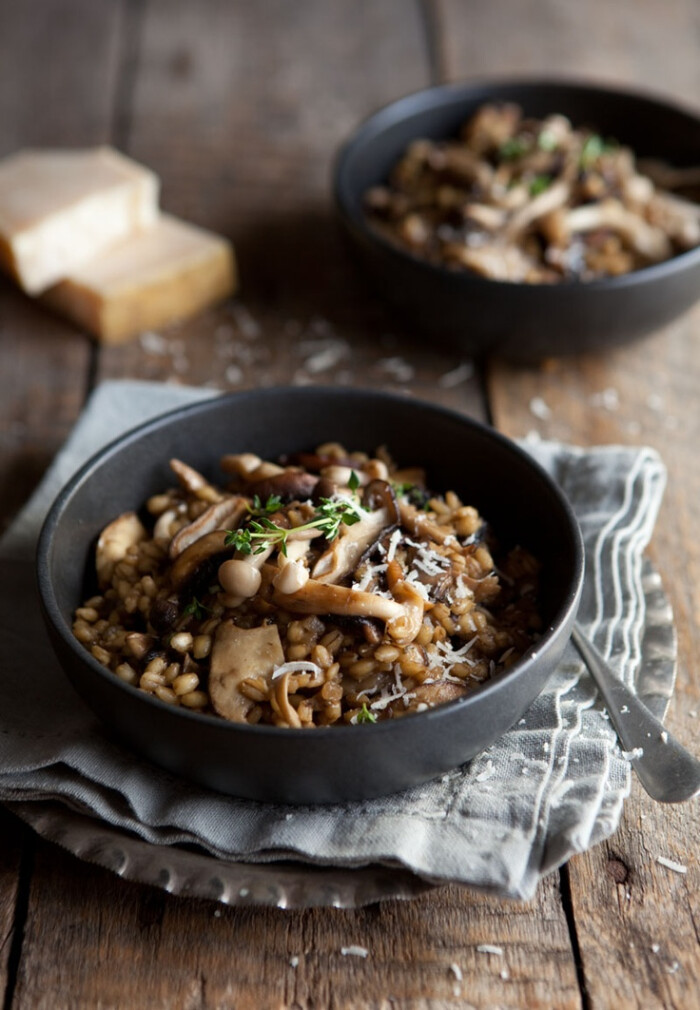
<point>328,588</point>
<point>536,201</point>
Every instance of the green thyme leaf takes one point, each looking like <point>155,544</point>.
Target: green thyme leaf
<point>514,147</point>
<point>354,481</point>
<point>539,184</point>
<point>195,608</point>
<point>262,533</point>
<point>593,148</point>
<point>257,507</point>
<point>547,141</point>
<point>364,715</point>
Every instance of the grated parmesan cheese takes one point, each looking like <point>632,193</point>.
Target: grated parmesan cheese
<point>671,864</point>
<point>295,666</point>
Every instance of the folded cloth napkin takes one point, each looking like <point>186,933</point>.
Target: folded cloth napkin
<point>549,788</point>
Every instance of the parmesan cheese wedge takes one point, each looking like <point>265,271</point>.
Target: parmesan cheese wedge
<point>156,277</point>
<point>60,208</point>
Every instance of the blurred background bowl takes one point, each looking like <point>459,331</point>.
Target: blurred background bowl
<point>517,320</point>
<point>327,764</point>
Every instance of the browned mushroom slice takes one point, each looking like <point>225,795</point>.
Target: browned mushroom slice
<point>551,199</point>
<point>679,218</point>
<point>404,628</point>
<point>290,485</point>
<point>422,526</point>
<point>193,557</point>
<point>239,653</point>
<point>495,261</point>
<point>193,481</point>
<point>223,515</point>
<point>124,532</point>
<point>345,552</point>
<point>438,692</point>
<point>668,177</point>
<point>491,125</point>
<point>324,598</point>
<point>642,237</point>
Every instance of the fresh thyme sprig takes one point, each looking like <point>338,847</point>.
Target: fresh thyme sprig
<point>195,608</point>
<point>364,715</point>
<point>258,508</point>
<point>260,534</point>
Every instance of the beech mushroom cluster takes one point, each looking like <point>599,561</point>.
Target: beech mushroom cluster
<point>535,201</point>
<point>324,588</point>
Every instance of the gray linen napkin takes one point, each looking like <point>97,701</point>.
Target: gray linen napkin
<point>552,786</point>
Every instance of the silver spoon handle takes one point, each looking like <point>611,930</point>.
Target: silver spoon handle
<point>668,772</point>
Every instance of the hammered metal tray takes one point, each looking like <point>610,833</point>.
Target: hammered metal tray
<point>294,884</point>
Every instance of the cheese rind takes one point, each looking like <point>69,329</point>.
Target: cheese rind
<point>165,274</point>
<point>59,209</point>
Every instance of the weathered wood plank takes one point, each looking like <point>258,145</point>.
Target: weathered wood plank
<point>638,937</point>
<point>637,920</point>
<point>157,952</point>
<point>241,110</point>
<point>12,838</point>
<point>57,76</point>
<point>650,46</point>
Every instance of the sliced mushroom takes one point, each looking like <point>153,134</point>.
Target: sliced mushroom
<point>124,532</point>
<point>422,526</point>
<point>239,653</point>
<point>193,481</point>
<point>222,515</point>
<point>404,628</point>
<point>644,238</point>
<point>679,218</point>
<point>280,701</point>
<point>345,552</point>
<point>187,564</point>
<point>400,614</point>
<point>496,261</point>
<point>289,485</point>
<point>438,692</point>
<point>553,197</point>
<point>322,598</point>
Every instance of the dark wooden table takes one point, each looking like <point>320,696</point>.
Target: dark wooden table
<point>239,107</point>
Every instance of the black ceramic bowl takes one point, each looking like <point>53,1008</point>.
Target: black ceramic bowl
<point>519,321</point>
<point>332,764</point>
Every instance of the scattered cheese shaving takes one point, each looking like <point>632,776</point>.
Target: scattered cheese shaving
<point>296,666</point>
<point>671,864</point>
<point>456,971</point>
<point>488,948</point>
<point>354,951</point>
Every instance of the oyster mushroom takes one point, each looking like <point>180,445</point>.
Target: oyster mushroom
<point>645,239</point>
<point>193,481</point>
<point>345,552</point>
<point>404,628</point>
<point>290,485</point>
<point>239,653</point>
<point>402,615</point>
<point>116,538</point>
<point>421,526</point>
<point>187,564</point>
<point>222,515</point>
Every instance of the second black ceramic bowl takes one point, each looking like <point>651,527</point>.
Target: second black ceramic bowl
<point>331,764</point>
<point>521,321</point>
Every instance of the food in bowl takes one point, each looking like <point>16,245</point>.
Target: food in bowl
<point>532,200</point>
<point>330,588</point>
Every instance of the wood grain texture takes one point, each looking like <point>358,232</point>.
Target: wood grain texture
<point>243,133</point>
<point>12,838</point>
<point>636,920</point>
<point>61,95</point>
<point>140,948</point>
<point>647,44</point>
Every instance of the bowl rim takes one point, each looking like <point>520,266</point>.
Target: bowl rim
<point>453,93</point>
<point>567,606</point>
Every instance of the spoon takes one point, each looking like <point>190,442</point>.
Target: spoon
<point>668,772</point>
